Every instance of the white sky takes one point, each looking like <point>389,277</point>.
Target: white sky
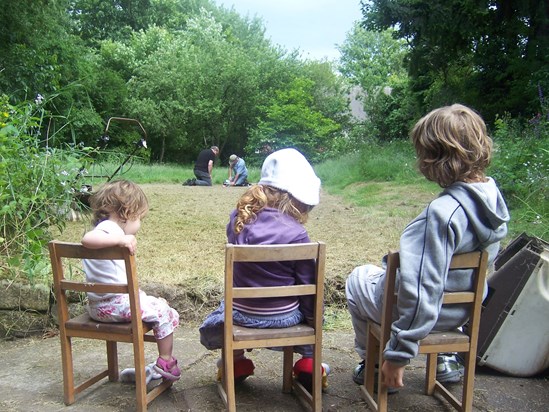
<point>313,26</point>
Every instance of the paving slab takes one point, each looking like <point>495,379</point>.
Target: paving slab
<point>31,380</point>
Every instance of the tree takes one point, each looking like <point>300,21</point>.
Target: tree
<point>374,61</point>
<point>491,55</point>
<point>292,121</point>
<point>97,20</point>
<point>193,89</point>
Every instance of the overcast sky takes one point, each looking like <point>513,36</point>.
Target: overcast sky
<point>313,26</point>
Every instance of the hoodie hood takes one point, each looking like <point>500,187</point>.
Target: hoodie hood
<point>485,208</point>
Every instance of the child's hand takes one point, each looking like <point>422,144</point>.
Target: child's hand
<point>392,374</point>
<point>130,242</point>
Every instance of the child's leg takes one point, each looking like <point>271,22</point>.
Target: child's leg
<point>364,300</point>
<point>243,367</point>
<point>303,368</point>
<point>165,347</point>
<point>165,320</point>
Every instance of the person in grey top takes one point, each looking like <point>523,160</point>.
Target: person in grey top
<point>453,150</point>
<point>238,172</point>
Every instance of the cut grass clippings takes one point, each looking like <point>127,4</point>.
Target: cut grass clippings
<point>180,253</point>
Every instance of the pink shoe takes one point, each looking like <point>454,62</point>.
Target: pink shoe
<point>168,369</point>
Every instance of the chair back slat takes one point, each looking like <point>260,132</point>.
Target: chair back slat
<point>94,287</point>
<point>274,253</point>
<point>78,251</point>
<point>274,291</point>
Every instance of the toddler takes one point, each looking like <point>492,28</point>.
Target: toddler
<point>118,208</point>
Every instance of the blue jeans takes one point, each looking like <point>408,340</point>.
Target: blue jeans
<point>241,180</point>
<point>212,329</point>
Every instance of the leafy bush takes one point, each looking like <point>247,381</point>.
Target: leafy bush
<point>392,112</point>
<point>36,188</point>
<point>521,168</point>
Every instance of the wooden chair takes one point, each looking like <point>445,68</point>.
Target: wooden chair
<point>434,343</point>
<point>66,258</point>
<point>238,337</point>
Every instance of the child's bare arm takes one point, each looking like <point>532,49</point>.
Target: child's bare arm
<point>98,239</point>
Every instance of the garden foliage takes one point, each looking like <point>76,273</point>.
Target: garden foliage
<point>37,188</point>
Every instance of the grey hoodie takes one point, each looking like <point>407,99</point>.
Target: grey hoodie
<point>465,217</point>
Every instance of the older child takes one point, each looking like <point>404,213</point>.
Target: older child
<point>453,150</point>
<point>271,212</point>
<point>118,208</point>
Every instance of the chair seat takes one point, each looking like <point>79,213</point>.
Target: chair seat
<point>434,338</point>
<point>446,338</point>
<point>85,322</point>
<point>241,333</point>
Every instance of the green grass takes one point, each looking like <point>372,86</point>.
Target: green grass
<point>157,173</point>
<point>362,178</point>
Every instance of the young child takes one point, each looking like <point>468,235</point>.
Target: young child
<point>118,208</point>
<point>271,212</point>
<point>453,150</point>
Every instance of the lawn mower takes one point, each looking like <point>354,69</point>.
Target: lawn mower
<point>82,195</point>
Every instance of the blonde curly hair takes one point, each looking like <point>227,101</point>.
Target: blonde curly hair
<point>120,198</point>
<point>258,197</point>
<point>452,144</point>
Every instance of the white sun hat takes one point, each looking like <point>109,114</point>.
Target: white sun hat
<point>288,170</point>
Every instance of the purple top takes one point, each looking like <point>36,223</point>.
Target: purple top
<point>272,227</point>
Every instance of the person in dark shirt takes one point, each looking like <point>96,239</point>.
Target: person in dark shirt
<point>204,165</point>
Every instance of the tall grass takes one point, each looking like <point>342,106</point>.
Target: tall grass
<point>394,163</point>
<point>387,161</point>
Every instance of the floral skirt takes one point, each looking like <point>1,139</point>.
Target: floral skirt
<point>153,310</point>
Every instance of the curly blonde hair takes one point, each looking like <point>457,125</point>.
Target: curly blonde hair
<point>258,197</point>
<point>121,198</point>
<point>452,144</point>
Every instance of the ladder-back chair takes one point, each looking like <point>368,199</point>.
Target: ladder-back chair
<point>66,258</point>
<point>238,337</point>
<point>436,342</point>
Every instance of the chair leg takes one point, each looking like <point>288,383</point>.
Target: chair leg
<point>431,373</point>
<point>468,382</point>
<point>372,349</point>
<point>373,356</point>
<point>382,395</point>
<point>112,360</point>
<point>287,369</point>
<point>228,377</point>
<point>317,378</point>
<point>68,369</point>
<point>140,378</point>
